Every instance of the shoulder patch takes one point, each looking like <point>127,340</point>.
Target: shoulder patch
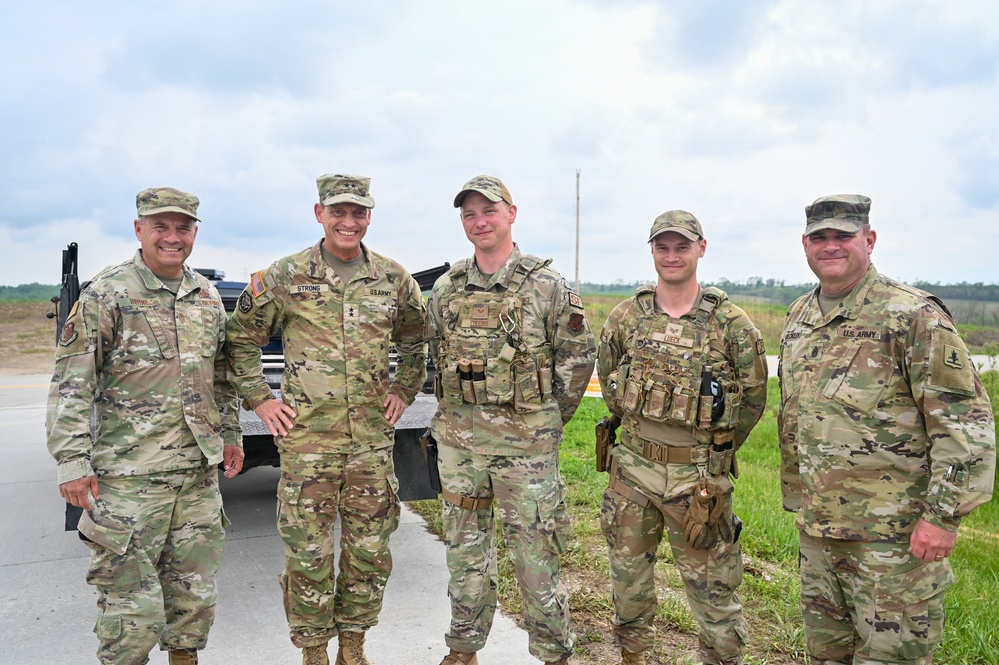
<point>577,323</point>
<point>575,300</point>
<point>245,303</point>
<point>760,348</point>
<point>950,369</point>
<point>257,285</point>
<point>69,332</point>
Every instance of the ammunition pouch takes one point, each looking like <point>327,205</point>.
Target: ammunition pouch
<point>606,437</point>
<point>721,458</point>
<point>429,446</point>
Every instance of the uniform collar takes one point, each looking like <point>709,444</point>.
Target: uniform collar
<point>502,276</point>
<point>188,284</point>
<point>319,269</point>
<point>849,306</point>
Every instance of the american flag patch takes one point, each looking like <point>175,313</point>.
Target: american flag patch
<point>257,285</point>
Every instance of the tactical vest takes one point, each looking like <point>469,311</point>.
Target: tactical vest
<point>490,350</point>
<point>659,378</point>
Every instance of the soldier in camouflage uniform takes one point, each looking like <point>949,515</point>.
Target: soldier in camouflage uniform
<point>514,354</point>
<point>340,307</point>
<point>144,343</point>
<point>887,441</point>
<point>657,351</point>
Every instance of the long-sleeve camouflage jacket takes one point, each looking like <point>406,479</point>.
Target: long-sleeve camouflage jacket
<point>883,417</point>
<point>550,323</point>
<point>735,352</point>
<point>154,365</point>
<point>336,347</point>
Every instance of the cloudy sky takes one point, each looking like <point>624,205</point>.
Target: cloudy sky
<point>741,112</point>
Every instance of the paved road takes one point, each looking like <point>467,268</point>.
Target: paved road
<point>47,611</point>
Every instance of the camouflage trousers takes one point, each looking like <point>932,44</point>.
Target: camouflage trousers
<point>530,499</point>
<point>710,577</point>
<point>156,544</point>
<point>362,489</point>
<point>866,603</point>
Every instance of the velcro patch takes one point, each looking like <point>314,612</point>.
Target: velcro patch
<point>577,323</point>
<point>575,300</point>
<point>257,285</point>
<point>69,333</point>
<point>310,288</point>
<point>760,349</point>
<point>245,303</point>
<point>950,368</point>
<point>953,357</point>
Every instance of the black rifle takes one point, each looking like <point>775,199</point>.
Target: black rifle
<point>69,293</point>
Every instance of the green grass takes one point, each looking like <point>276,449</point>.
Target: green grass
<point>771,588</point>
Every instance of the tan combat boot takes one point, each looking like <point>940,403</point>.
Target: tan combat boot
<point>351,651</point>
<point>458,658</point>
<point>184,657</point>
<point>628,658</point>
<point>315,655</point>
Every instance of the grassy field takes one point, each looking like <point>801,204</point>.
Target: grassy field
<point>770,591</point>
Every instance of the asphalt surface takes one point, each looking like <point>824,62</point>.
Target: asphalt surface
<point>47,611</point>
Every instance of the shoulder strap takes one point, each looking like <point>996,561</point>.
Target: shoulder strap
<point>528,263</point>
<point>712,297</point>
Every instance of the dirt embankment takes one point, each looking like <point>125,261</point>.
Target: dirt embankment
<point>27,338</point>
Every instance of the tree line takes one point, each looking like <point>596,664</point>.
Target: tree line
<point>777,290</point>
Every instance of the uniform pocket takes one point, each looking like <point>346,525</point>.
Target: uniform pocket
<point>909,612</point>
<point>553,518</point>
<point>113,563</point>
<point>143,342</point>
<point>108,627</point>
<point>864,382</point>
<point>289,493</point>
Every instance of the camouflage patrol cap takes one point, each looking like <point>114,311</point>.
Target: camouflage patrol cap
<point>155,200</point>
<point>843,212</point>
<point>680,221</point>
<point>490,187</point>
<point>335,188</point>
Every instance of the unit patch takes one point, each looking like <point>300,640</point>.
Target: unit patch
<point>69,333</point>
<point>245,303</point>
<point>577,323</point>
<point>575,300</point>
<point>952,357</point>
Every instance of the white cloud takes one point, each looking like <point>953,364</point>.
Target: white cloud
<point>740,116</point>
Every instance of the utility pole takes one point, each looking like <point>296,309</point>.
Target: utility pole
<point>577,231</point>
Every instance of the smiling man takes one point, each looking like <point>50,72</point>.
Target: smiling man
<point>684,370</point>
<point>887,441</point>
<point>144,344</point>
<point>339,307</point>
<point>514,354</point>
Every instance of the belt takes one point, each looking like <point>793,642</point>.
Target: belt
<point>662,454</point>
